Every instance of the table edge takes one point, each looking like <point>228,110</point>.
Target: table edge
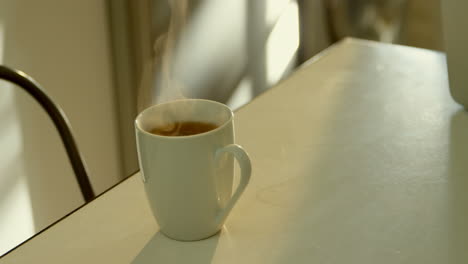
<point>70,213</point>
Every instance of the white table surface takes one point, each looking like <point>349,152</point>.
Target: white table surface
<point>361,156</point>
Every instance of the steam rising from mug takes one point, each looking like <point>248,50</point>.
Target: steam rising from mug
<point>159,83</point>
<point>201,55</point>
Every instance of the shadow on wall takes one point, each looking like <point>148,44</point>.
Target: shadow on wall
<point>25,208</point>
<point>224,47</point>
<point>64,46</point>
<point>37,180</point>
<point>46,165</point>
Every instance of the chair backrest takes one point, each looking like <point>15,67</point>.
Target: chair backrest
<point>60,121</point>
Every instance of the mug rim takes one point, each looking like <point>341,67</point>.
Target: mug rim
<point>229,120</point>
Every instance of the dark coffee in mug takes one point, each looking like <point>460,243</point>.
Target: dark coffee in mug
<point>186,128</point>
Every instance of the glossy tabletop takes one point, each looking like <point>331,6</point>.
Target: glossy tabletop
<point>361,156</point>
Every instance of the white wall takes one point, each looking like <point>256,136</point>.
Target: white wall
<point>64,45</point>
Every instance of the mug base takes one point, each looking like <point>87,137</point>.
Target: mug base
<point>183,239</point>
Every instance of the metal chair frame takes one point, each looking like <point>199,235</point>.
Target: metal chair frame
<point>60,121</point>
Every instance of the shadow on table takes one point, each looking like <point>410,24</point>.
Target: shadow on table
<point>161,249</point>
<point>458,184</point>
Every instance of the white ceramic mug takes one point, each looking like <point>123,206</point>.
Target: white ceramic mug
<point>188,179</point>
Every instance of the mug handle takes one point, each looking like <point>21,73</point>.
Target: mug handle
<point>246,169</point>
